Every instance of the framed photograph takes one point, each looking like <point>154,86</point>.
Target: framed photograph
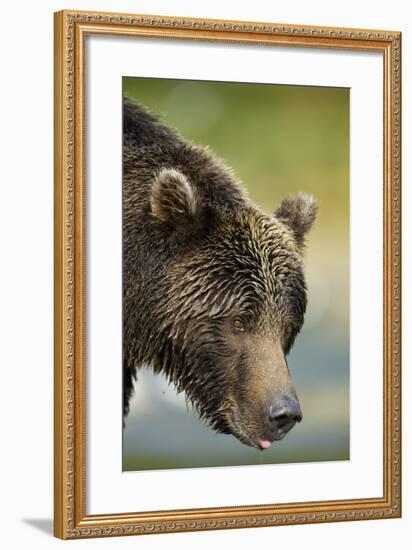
<point>227,274</point>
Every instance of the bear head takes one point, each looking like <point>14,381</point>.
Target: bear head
<point>233,300</point>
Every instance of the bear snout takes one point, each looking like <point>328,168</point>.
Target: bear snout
<point>283,412</point>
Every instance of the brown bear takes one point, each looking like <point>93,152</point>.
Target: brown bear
<point>213,287</point>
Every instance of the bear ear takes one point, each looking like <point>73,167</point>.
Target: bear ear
<point>298,213</point>
<point>172,197</point>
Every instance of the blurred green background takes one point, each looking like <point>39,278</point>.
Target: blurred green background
<point>279,140</point>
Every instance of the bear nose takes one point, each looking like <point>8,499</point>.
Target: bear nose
<point>283,412</point>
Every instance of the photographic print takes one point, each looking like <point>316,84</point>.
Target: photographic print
<point>235,274</point>
<point>227,274</point>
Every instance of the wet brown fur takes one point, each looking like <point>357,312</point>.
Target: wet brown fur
<point>197,254</point>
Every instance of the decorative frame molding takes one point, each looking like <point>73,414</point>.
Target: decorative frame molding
<point>71,520</point>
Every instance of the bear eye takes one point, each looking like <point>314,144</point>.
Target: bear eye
<point>238,325</point>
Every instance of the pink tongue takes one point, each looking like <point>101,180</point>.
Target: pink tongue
<point>264,443</point>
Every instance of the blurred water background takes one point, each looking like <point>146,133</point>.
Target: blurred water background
<point>279,140</point>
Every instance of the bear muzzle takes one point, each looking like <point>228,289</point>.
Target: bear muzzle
<point>282,413</point>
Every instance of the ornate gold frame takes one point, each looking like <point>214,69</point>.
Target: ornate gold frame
<point>71,520</point>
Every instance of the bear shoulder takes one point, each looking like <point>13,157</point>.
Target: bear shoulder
<point>150,148</point>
